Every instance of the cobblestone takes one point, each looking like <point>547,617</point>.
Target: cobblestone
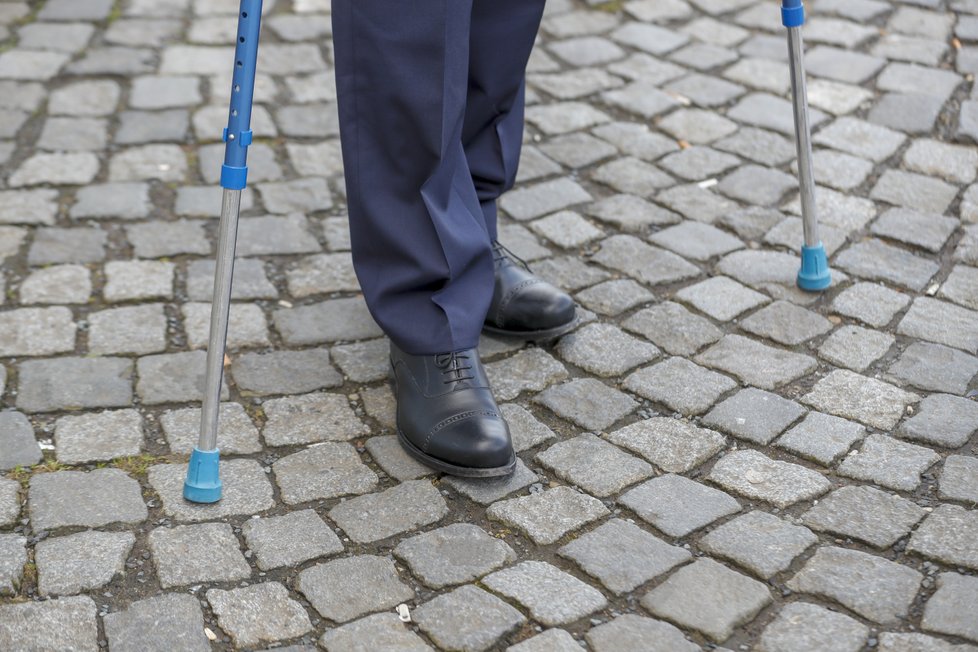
<point>942,420</point>
<point>732,600</point>
<point>676,505</point>
<point>454,554</point>
<point>948,535</point>
<point>189,554</point>
<point>873,587</point>
<point>552,596</point>
<point>801,625</point>
<point>82,561</point>
<point>632,632</point>
<point>866,514</point>
<point>889,462</point>
<point>754,415</point>
<point>822,438</point>
<point>547,516</point>
<point>959,479</point>
<point>673,445</point>
<point>680,385</point>
<point>867,400</point>
<point>326,470</point>
<point>587,402</point>
<point>235,430</point>
<point>467,618</point>
<point>756,476</point>
<point>947,612</point>
<point>98,436</point>
<point>594,465</point>
<point>335,588</point>
<point>402,508</point>
<point>245,490</point>
<point>92,499</point>
<point>622,555</point>
<point>65,623</point>
<point>260,613</point>
<point>760,542</point>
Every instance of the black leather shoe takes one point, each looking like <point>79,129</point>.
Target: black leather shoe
<point>524,305</point>
<point>447,417</point>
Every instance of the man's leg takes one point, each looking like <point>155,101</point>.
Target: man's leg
<point>419,242</point>
<point>501,39</point>
<point>503,32</point>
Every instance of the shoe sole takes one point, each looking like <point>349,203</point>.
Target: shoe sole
<point>532,336</point>
<point>452,469</point>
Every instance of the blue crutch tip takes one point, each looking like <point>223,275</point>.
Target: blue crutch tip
<point>203,483</point>
<point>814,274</point>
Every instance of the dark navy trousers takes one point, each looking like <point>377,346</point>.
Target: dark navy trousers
<point>430,99</point>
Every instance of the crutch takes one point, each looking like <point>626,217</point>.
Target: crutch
<point>814,274</point>
<point>203,483</point>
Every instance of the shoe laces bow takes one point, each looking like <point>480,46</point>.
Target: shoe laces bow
<point>500,252</point>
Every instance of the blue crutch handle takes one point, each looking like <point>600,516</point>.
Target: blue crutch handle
<point>792,13</point>
<point>237,135</point>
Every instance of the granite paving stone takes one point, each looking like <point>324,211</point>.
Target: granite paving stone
<point>89,499</point>
<point>630,213</point>
<point>696,203</point>
<point>679,384</point>
<point>327,321</point>
<point>19,448</point>
<point>632,633</point>
<point>587,402</point>
<point>160,239</point>
<point>913,190</point>
<point>547,516</point>
<point>98,436</point>
<point>786,323</point>
<point>138,279</point>
<point>79,562</point>
<point>36,331</point>
<point>947,611</point>
<point>622,555</point>
<point>325,470</point>
<point>594,465</point>
<point>632,176</point>
<point>948,535</point>
<point>250,281</point>
<point>757,185</point>
<point>860,138</point>
<point>935,367</point>
<point>245,490</point>
<point>235,430</point>
<point>888,462</point>
<point>308,418</point>
<point>322,274</point>
<point>672,327</point>
<point>914,113</point>
<point>290,539</point>
<point>678,506</point>
<point>758,145</point>
<point>855,347</point>
<point>893,642</point>
<point>284,372</point>
<point>643,262</point>
<point>756,476</point>
<point>552,596</point>
<point>733,599</point>
<point>71,383</point>
<point>605,350</point>
<point>260,613</point>
<point>173,378</point>
<point>29,206</point>
<point>378,631</point>
<point>875,588</point>
<point>550,640</point>
<point>756,364</point>
<point>806,626</point>
<point>528,370</point>
<point>721,298</point>
<point>13,556</point>
<point>76,245</point>
<point>335,588</point>
<point>9,501</point>
<point>959,479</point>
<point>614,297</point>
<point>754,415</point>
<point>953,162</point>
<point>468,619</point>
<point>62,624</point>
<point>673,445</point>
<point>822,438</point>
<point>402,508</point>
<point>454,554</point>
<point>870,303</point>
<point>486,491</point>
<point>961,286</point>
<point>57,284</point>
<point>759,542</point>
<point>866,514</point>
<point>697,241</point>
<point>697,126</point>
<point>853,396</point>
<point>188,554</point>
<point>390,456</point>
<point>941,322</point>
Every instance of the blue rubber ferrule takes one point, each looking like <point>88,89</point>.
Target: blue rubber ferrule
<point>203,483</point>
<point>814,274</point>
<point>237,135</point>
<point>793,13</point>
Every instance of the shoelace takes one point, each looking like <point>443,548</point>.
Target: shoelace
<point>499,252</point>
<point>450,364</point>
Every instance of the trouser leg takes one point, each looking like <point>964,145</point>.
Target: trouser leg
<point>419,241</point>
<point>502,36</point>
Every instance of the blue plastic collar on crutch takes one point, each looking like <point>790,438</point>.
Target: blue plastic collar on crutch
<point>203,483</point>
<point>814,274</point>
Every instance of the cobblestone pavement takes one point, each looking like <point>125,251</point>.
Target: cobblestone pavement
<point>712,459</point>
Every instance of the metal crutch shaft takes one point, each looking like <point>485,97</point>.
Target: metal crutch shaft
<point>814,274</point>
<point>203,483</point>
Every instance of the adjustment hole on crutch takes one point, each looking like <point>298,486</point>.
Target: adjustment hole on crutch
<point>238,63</point>
<point>244,14</point>
<point>234,112</point>
<point>237,88</point>
<point>241,39</point>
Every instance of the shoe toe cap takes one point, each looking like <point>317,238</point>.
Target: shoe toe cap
<point>540,306</point>
<point>480,441</point>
